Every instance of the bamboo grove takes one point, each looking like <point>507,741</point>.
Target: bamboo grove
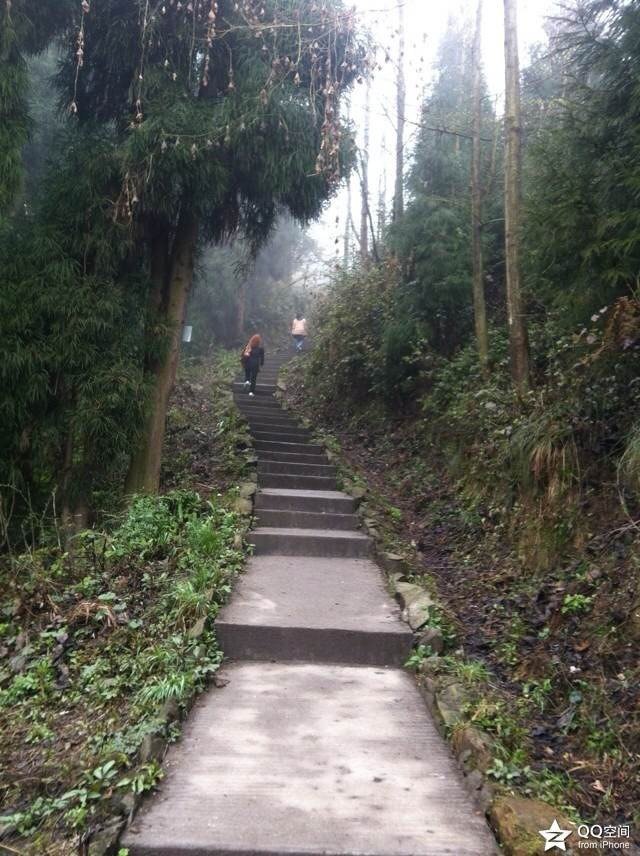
<point>183,124</point>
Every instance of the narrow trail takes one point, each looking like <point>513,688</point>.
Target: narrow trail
<point>317,742</point>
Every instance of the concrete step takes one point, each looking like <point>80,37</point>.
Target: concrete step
<point>296,758</point>
<point>275,428</point>
<point>255,408</point>
<point>263,388</point>
<point>319,501</point>
<point>279,420</point>
<point>310,542</point>
<point>271,517</point>
<point>299,469</point>
<point>257,404</point>
<point>277,437</point>
<point>276,413</point>
<point>295,482</point>
<point>315,609</point>
<point>294,457</point>
<point>241,395</point>
<point>258,426</point>
<point>296,448</point>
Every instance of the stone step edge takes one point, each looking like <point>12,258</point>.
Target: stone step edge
<point>278,644</point>
<point>343,534</point>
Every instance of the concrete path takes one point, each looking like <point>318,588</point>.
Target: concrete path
<point>318,742</point>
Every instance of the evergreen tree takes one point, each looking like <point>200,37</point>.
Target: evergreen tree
<point>432,238</point>
<point>583,218</point>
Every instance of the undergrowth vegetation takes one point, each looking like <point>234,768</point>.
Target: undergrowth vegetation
<point>96,640</point>
<point>543,463</point>
<point>106,637</point>
<point>520,510</point>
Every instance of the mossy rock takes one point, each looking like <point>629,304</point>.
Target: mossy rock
<point>473,747</point>
<point>431,637</point>
<point>417,613</point>
<point>406,593</point>
<point>393,563</point>
<point>518,821</point>
<point>104,842</point>
<point>450,701</point>
<point>357,491</point>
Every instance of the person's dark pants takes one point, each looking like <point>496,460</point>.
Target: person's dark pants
<point>251,374</point>
<point>299,342</point>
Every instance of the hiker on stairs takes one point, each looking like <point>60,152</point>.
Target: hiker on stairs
<point>252,359</point>
<point>299,332</point>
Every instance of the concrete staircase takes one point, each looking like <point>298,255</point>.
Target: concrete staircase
<point>319,742</point>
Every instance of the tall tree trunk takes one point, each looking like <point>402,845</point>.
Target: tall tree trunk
<point>347,226</point>
<point>479,306</point>
<point>401,97</point>
<point>381,225</point>
<point>66,514</point>
<point>364,210</point>
<point>241,308</point>
<point>144,472</point>
<point>518,341</point>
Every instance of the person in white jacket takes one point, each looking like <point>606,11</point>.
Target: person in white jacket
<point>299,332</point>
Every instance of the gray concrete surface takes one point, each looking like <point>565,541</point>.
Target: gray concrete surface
<point>310,759</point>
<point>305,500</point>
<point>310,542</point>
<point>297,609</point>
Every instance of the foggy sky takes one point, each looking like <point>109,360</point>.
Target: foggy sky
<point>425,23</point>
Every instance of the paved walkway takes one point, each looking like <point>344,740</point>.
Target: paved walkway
<point>319,742</point>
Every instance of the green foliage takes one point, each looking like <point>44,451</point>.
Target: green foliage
<point>70,353</point>
<point>533,457</point>
<point>25,27</point>
<point>575,604</point>
<point>145,779</point>
<point>583,175</point>
<point>417,658</point>
<point>172,119</point>
<point>209,129</point>
<point>108,644</point>
<point>505,772</point>
<point>538,692</point>
<point>14,119</point>
<point>350,323</point>
<point>432,239</point>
